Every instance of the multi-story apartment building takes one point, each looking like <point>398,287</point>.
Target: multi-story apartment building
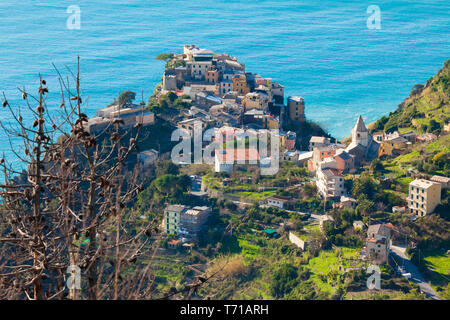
<point>330,183</point>
<point>240,84</point>
<point>200,63</point>
<point>192,221</point>
<point>424,196</point>
<point>296,108</point>
<point>212,76</point>
<point>184,220</point>
<point>172,218</point>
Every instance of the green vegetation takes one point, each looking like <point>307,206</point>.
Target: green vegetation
<point>167,105</point>
<point>426,109</point>
<point>126,97</point>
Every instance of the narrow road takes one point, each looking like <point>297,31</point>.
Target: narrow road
<point>399,254</point>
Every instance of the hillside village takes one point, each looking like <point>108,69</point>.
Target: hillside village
<point>351,203</point>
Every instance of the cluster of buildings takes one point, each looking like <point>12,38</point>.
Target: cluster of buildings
<point>223,95</point>
<point>330,161</point>
<point>220,85</point>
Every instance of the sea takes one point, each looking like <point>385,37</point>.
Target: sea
<point>346,58</point>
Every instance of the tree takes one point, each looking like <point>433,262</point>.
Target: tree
<point>164,57</point>
<point>365,185</point>
<point>365,207</point>
<point>283,281</point>
<point>69,207</point>
<point>310,189</point>
<point>126,98</point>
<point>376,166</point>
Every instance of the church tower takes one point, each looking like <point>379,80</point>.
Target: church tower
<point>360,134</point>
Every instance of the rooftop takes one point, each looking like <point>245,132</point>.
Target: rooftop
<point>440,179</point>
<point>296,98</point>
<point>176,208</point>
<point>317,139</point>
<point>422,183</point>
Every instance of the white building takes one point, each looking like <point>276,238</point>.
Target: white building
<point>330,183</point>
<point>277,201</point>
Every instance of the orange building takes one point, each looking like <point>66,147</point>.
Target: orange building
<point>240,84</point>
<point>296,108</point>
<point>212,76</point>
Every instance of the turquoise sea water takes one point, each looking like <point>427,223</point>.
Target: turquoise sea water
<point>321,50</point>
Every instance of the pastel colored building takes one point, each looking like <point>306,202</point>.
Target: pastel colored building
<point>277,201</point>
<point>319,154</point>
<point>255,100</point>
<point>240,84</point>
<point>330,183</point>
<point>296,108</point>
<point>345,162</point>
<point>424,196</point>
<point>289,140</point>
<point>212,76</point>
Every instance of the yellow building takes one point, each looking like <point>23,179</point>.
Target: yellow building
<point>296,108</point>
<point>388,146</point>
<point>255,100</point>
<point>424,196</point>
<point>240,84</point>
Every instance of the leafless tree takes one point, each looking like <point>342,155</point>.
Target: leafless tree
<point>70,205</point>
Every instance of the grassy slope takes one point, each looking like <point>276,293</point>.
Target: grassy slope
<point>423,105</point>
